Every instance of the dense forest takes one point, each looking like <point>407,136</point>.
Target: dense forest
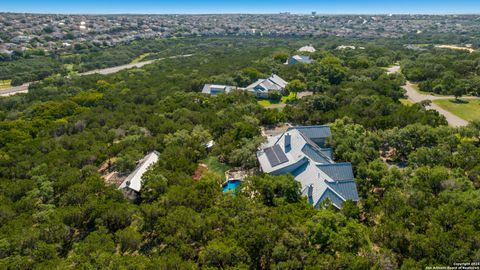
<point>418,179</point>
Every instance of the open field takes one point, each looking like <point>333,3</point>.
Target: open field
<point>5,84</point>
<point>468,109</point>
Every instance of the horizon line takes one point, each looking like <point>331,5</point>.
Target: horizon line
<point>241,13</point>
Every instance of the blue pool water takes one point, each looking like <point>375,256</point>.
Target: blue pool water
<point>231,185</point>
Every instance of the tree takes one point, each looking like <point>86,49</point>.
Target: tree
<point>281,57</point>
<point>296,86</point>
<point>458,92</point>
<point>245,156</point>
<point>128,239</point>
<point>223,253</point>
<point>272,188</point>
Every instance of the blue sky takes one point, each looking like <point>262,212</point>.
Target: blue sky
<point>239,6</point>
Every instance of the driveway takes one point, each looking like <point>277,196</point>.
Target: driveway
<point>416,97</point>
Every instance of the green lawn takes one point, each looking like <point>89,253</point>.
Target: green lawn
<point>406,102</point>
<point>140,58</point>
<point>285,99</point>
<point>214,165</point>
<point>469,109</point>
<point>5,84</point>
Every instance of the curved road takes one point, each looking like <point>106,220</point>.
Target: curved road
<point>415,96</point>
<point>24,87</point>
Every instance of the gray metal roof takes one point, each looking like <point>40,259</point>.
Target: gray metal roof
<point>134,180</point>
<point>314,132</point>
<point>214,89</point>
<point>310,164</point>
<point>273,82</point>
<point>348,189</point>
<point>303,59</point>
<point>334,198</point>
<point>314,154</point>
<point>338,171</point>
<point>327,152</point>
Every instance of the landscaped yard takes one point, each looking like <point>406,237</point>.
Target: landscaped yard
<point>468,109</point>
<point>5,84</point>
<point>285,99</point>
<point>214,165</point>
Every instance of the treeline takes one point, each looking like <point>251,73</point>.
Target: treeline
<point>418,179</point>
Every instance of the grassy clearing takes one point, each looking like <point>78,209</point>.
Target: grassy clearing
<point>291,97</point>
<point>5,84</point>
<point>285,99</point>
<point>214,165</point>
<point>468,109</point>
<point>406,102</point>
<point>140,58</point>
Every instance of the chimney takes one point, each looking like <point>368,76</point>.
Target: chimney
<point>310,193</point>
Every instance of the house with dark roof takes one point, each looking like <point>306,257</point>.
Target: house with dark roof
<point>262,87</point>
<point>301,151</point>
<point>299,59</point>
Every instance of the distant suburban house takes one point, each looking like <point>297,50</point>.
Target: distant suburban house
<point>308,48</point>
<point>299,59</point>
<point>132,185</point>
<point>301,152</point>
<point>262,87</point>
<point>215,89</point>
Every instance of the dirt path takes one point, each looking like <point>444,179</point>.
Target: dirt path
<point>415,96</point>
<point>24,87</point>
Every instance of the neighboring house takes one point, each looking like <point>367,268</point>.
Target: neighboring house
<point>215,89</point>
<point>301,152</point>
<point>343,47</point>
<point>309,49</point>
<point>262,87</point>
<point>132,185</point>
<point>299,59</point>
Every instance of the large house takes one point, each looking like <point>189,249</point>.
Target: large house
<point>262,87</point>
<point>301,152</point>
<point>215,89</point>
<point>132,185</point>
<point>299,59</point>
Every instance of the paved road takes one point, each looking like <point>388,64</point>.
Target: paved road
<point>111,70</point>
<point>15,90</point>
<point>415,96</point>
<point>24,87</point>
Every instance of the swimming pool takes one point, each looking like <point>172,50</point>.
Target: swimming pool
<point>231,185</point>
